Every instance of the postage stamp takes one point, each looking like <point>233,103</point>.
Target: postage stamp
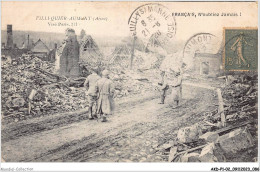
<point>240,50</point>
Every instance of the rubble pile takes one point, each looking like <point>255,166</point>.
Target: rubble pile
<point>209,140</point>
<point>22,75</point>
<point>129,83</point>
<point>53,93</point>
<point>240,99</point>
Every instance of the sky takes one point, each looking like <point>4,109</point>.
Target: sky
<point>26,16</point>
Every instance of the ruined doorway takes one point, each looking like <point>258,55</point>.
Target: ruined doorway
<point>204,68</point>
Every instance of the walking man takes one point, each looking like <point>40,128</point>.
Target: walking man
<point>176,89</point>
<point>163,87</point>
<point>90,84</point>
<point>105,89</point>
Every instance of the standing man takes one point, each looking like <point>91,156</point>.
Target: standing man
<point>105,90</point>
<point>163,87</point>
<point>90,84</point>
<point>176,89</point>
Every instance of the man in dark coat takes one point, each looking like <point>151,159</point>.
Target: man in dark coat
<point>105,89</point>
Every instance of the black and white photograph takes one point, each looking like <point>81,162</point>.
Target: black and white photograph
<point>129,82</point>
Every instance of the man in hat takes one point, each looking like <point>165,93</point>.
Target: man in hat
<point>90,84</point>
<point>105,89</point>
<point>176,88</point>
<point>163,87</point>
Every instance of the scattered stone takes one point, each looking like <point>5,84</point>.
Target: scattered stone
<point>210,137</point>
<point>2,160</point>
<point>190,157</point>
<point>143,159</point>
<point>236,140</point>
<point>126,160</point>
<point>154,145</point>
<point>211,153</point>
<point>173,142</point>
<point>18,102</point>
<point>118,153</point>
<point>143,153</point>
<point>166,146</point>
<point>172,154</point>
<point>188,134</point>
<point>152,151</point>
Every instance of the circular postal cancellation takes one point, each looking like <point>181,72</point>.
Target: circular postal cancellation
<point>200,45</point>
<point>152,21</point>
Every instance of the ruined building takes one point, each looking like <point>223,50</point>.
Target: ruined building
<point>10,49</point>
<point>40,50</point>
<point>121,56</point>
<point>208,64</point>
<point>67,62</point>
<point>89,50</point>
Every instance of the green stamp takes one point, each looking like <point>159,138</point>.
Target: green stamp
<point>240,50</point>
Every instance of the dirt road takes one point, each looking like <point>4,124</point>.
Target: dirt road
<point>134,133</point>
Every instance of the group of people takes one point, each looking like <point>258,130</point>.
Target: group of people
<point>100,92</point>
<point>175,83</point>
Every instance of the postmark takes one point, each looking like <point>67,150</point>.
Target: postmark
<point>241,49</point>
<point>200,47</point>
<point>152,20</point>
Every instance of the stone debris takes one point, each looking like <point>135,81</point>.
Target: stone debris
<point>190,157</point>
<point>172,154</point>
<point>49,97</point>
<point>211,153</point>
<point>2,160</point>
<point>54,93</point>
<point>236,140</point>
<point>210,137</point>
<point>166,146</point>
<point>188,134</point>
<point>128,83</point>
<point>240,110</point>
<point>240,98</point>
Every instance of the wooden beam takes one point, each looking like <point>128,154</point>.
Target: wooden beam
<point>187,151</point>
<point>221,108</point>
<point>132,53</point>
<point>233,127</point>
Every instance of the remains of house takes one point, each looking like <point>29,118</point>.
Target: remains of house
<point>121,56</point>
<point>89,50</point>
<point>209,140</point>
<point>31,73</point>
<point>28,46</point>
<point>40,50</point>
<point>208,64</point>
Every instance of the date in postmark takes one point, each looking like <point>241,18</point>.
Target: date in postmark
<point>152,19</point>
<point>241,49</point>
